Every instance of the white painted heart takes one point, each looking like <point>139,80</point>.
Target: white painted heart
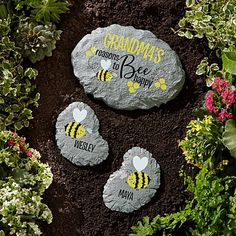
<point>105,64</point>
<point>140,163</point>
<point>79,115</point>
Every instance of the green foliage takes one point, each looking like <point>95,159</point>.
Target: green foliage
<point>210,71</point>
<point>37,41</point>
<point>44,11</point>
<point>229,137</point>
<point>203,140</point>
<point>23,180</point>
<point>229,61</point>
<point>213,19</point>
<point>17,94</point>
<point>211,211</point>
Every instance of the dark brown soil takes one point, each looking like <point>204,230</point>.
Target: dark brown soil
<point>75,196</point>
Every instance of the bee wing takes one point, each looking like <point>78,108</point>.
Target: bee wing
<point>140,163</point>
<point>90,131</point>
<point>114,74</point>
<point>79,115</point>
<point>105,64</point>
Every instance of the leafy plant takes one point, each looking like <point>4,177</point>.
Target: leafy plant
<point>211,211</point>
<point>44,11</point>
<point>203,140</point>
<point>23,180</point>
<point>37,41</point>
<point>229,137</point>
<point>229,61</point>
<point>17,94</point>
<point>213,19</point>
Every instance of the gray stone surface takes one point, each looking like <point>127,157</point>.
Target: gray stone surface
<point>88,148</point>
<point>142,70</point>
<point>118,195</point>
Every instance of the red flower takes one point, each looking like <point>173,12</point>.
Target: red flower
<point>29,153</point>
<point>11,143</point>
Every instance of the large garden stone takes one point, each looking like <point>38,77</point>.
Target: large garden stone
<point>127,68</point>
<point>134,184</point>
<point>78,137</point>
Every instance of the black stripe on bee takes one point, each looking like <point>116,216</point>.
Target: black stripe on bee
<point>105,75</point>
<point>76,129</point>
<point>143,179</point>
<point>136,177</point>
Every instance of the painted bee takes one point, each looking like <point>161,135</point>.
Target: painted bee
<point>139,180</point>
<point>104,74</point>
<point>75,129</point>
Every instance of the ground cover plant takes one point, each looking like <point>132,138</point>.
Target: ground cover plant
<point>210,142</point>
<point>27,32</point>
<point>23,180</point>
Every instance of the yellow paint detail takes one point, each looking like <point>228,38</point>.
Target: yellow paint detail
<point>163,87</point>
<point>130,84</point>
<point>108,76</point>
<point>136,85</point>
<point>157,85</point>
<point>132,87</point>
<point>162,81</point>
<point>75,130</point>
<point>81,132</point>
<point>138,180</point>
<point>132,180</point>
<point>161,84</point>
<point>134,46</point>
<point>90,51</point>
<point>93,49</point>
<point>131,90</point>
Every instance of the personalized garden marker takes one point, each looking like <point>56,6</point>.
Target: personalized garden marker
<point>77,135</point>
<point>134,184</point>
<point>127,68</point>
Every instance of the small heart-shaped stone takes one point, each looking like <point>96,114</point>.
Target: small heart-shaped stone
<point>134,184</point>
<point>79,115</point>
<point>105,64</point>
<point>140,163</point>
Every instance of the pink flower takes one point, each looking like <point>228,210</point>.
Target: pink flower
<point>11,143</point>
<point>210,101</point>
<point>22,150</point>
<point>29,153</point>
<point>224,114</point>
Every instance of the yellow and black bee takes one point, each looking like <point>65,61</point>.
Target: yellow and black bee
<point>104,75</point>
<point>75,130</point>
<point>138,180</point>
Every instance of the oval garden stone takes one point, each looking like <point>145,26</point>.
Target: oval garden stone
<point>134,184</point>
<point>78,137</point>
<point>127,68</point>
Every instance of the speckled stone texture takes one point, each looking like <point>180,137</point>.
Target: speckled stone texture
<point>78,137</point>
<point>126,194</point>
<point>127,68</point>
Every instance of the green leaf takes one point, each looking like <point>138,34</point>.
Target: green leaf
<point>18,125</point>
<point>229,137</point>
<point>2,233</point>
<point>182,23</point>
<point>188,35</point>
<point>31,73</point>
<point>190,3</point>
<point>229,62</point>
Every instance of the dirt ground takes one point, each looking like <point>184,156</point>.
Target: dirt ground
<point>75,197</point>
